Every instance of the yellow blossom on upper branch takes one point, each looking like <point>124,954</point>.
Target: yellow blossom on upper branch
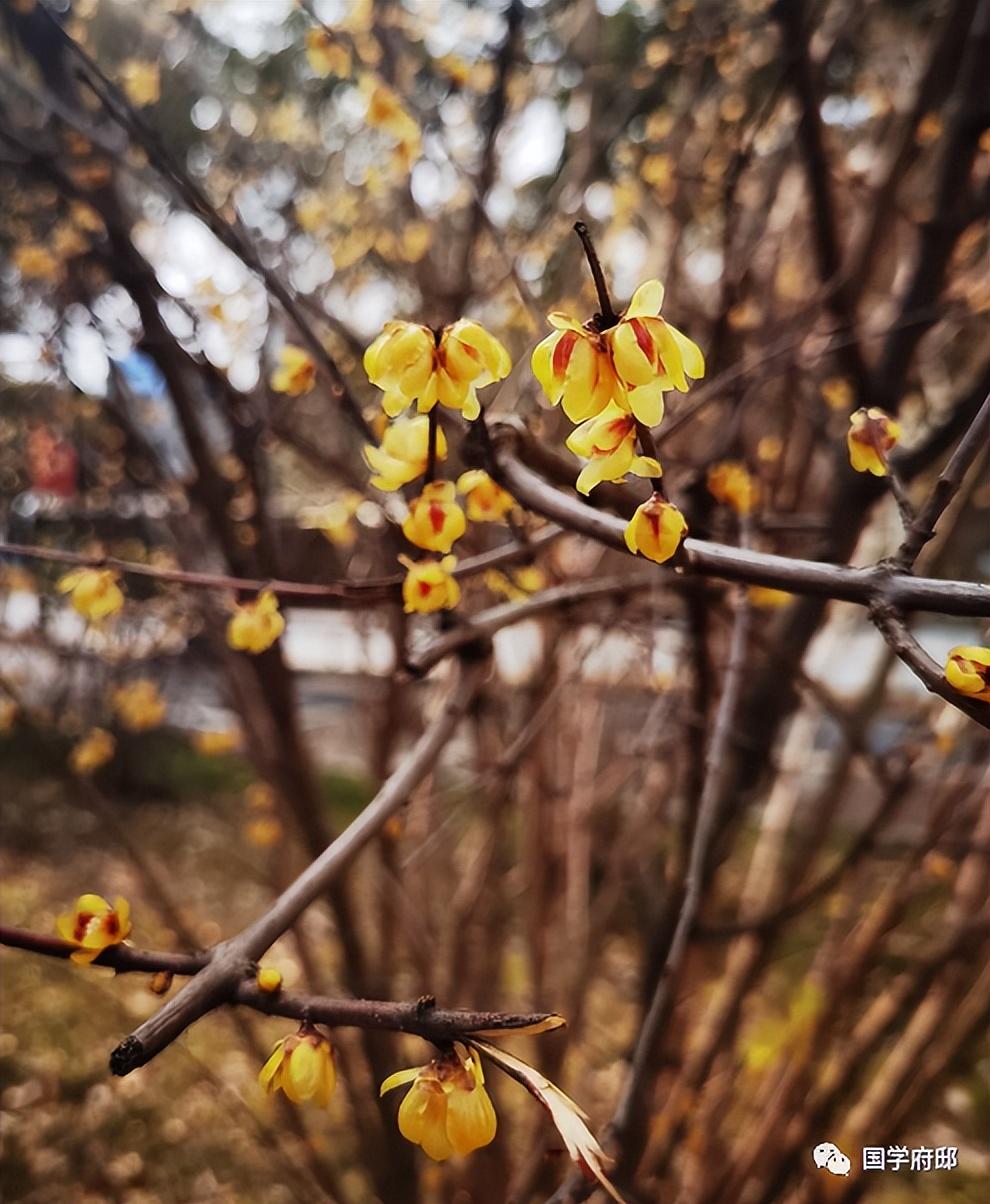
<point>656,530</point>
<point>574,367</point>
<point>447,1109</point>
<point>630,364</point>
<point>139,706</point>
<point>872,433</point>
<point>608,442</point>
<point>967,669</point>
<point>404,452</point>
<point>412,363</point>
<point>435,520</point>
<point>487,502</point>
<point>326,55</point>
<point>296,371</point>
<point>731,483</point>
<point>256,625</point>
<point>429,585</point>
<point>302,1066</point>
<point>333,519</point>
<point>93,750</point>
<point>94,926</point>
<point>95,592</point>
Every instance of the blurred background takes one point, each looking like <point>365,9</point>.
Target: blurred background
<point>181,185</point>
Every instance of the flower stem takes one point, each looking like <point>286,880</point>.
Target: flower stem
<point>649,448</point>
<point>608,314</point>
<point>431,447</point>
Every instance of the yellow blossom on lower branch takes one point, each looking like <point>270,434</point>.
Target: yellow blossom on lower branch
<point>429,585</point>
<point>94,926</point>
<point>256,625</point>
<point>487,501</point>
<point>269,979</point>
<point>608,443</point>
<point>404,452</point>
<point>435,520</point>
<point>302,1066</point>
<point>967,669</point>
<point>656,530</point>
<point>872,433</point>
<point>93,750</point>
<point>95,593</point>
<point>447,1109</point>
<point>296,371</point>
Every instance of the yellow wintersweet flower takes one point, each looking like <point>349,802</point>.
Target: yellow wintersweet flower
<point>413,363</point>
<point>385,111</point>
<point>517,584</point>
<point>326,55</point>
<point>608,443</point>
<point>656,530</point>
<point>35,262</point>
<point>296,373</point>
<point>256,625</point>
<point>429,585</point>
<point>967,669</point>
<point>93,750</point>
<point>302,1066</point>
<point>139,706</point>
<point>403,454</point>
<point>216,744</point>
<point>95,592</point>
<point>487,502</point>
<point>435,520</point>
<point>872,433</point>
<point>142,82</point>
<point>574,367</point>
<point>268,979</point>
<point>650,355</point>
<point>94,926</point>
<point>731,483</point>
<point>333,519</point>
<point>447,1109</point>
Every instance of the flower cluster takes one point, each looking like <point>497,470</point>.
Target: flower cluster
<point>446,367</point>
<point>94,593</point>
<point>610,379</point>
<point>256,625</point>
<point>138,705</point>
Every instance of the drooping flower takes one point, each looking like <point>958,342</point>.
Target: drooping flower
<point>302,1066</point>
<point>447,1110</point>
<point>732,484</point>
<point>95,593</point>
<point>333,519</point>
<point>568,1118</point>
<point>650,355</point>
<point>967,669</point>
<point>296,371</point>
<point>327,55</point>
<point>435,520</point>
<point>429,585</point>
<point>872,433</point>
<point>404,452</point>
<point>487,501</point>
<point>608,443</point>
<point>256,625</point>
<point>93,750</point>
<point>138,705</point>
<point>655,530</point>
<point>94,926</point>
<point>574,368</point>
<point>412,363</point>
